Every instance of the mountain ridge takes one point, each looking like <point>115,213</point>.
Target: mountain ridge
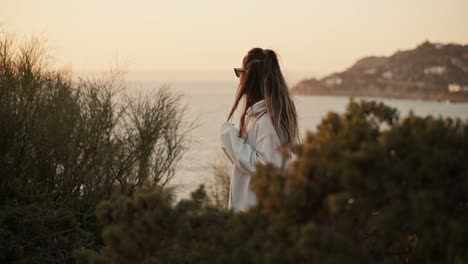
<point>431,71</point>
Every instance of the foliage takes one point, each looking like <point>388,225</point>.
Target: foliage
<point>396,190</point>
<point>66,144</point>
<point>218,190</point>
<point>366,187</point>
<point>149,229</point>
<point>40,233</point>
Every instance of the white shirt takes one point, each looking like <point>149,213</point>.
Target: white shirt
<point>262,146</point>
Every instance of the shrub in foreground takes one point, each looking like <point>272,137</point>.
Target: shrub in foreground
<point>65,145</point>
<point>366,187</point>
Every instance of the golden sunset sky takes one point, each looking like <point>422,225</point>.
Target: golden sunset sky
<point>312,37</point>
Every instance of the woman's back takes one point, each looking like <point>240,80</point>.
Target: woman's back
<point>268,123</point>
<point>261,146</point>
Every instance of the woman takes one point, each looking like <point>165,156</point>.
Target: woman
<point>267,128</point>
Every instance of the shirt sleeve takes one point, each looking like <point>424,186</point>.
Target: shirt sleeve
<point>243,156</point>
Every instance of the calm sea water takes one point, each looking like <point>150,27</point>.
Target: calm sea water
<point>209,103</point>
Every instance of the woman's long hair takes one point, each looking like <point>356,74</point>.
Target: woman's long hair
<point>264,80</point>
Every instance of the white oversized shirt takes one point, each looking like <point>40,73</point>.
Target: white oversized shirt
<point>262,146</point>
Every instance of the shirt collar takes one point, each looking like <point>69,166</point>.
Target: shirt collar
<point>256,108</point>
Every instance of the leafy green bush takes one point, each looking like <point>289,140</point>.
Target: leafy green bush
<point>395,189</point>
<point>148,228</point>
<point>40,233</point>
<point>65,145</point>
<point>366,187</point>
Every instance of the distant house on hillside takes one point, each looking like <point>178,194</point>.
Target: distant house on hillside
<point>333,81</point>
<point>370,71</point>
<point>387,75</point>
<point>438,45</point>
<point>437,70</point>
<point>454,88</point>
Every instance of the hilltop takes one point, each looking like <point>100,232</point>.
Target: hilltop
<point>431,71</point>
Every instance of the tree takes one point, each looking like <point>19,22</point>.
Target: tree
<point>65,145</point>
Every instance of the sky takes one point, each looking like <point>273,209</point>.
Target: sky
<point>312,38</point>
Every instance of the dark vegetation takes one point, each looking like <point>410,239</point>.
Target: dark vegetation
<point>65,145</point>
<point>366,187</point>
<point>218,190</point>
<point>84,173</point>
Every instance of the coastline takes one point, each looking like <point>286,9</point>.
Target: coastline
<point>386,93</point>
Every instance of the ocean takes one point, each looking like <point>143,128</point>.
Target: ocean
<point>209,103</point>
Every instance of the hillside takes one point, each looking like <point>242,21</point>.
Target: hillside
<point>431,71</point>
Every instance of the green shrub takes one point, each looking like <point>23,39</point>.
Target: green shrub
<point>148,228</point>
<point>40,233</point>
<point>395,189</point>
<point>366,187</point>
<point>65,145</point>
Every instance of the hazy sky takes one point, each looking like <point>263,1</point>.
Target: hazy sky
<point>312,37</point>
